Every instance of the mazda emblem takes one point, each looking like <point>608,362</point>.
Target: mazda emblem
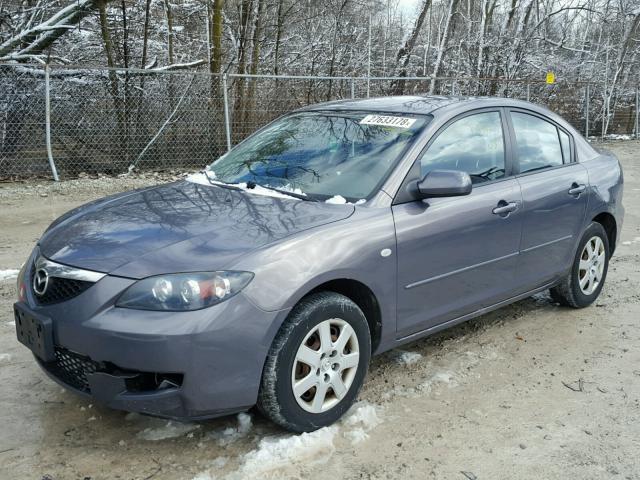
<point>40,282</point>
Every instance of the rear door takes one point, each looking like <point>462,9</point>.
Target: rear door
<point>554,192</point>
<point>458,254</point>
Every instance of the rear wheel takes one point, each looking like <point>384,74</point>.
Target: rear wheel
<point>583,284</point>
<point>317,363</point>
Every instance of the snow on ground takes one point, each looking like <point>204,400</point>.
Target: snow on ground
<point>5,357</point>
<point>611,136</point>
<point>9,274</point>
<point>403,357</point>
<point>364,418</point>
<point>169,430</point>
<point>631,242</point>
<point>276,454</point>
<point>231,434</point>
<point>363,414</point>
<point>356,436</point>
<point>446,378</point>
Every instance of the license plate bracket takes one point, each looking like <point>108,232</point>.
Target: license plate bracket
<point>35,331</point>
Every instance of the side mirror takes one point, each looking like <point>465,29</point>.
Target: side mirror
<point>444,183</point>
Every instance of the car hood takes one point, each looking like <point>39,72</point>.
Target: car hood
<point>178,227</point>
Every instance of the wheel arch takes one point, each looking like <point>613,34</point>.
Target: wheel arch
<point>608,222</point>
<point>361,295</point>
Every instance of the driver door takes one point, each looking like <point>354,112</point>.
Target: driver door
<point>458,254</point>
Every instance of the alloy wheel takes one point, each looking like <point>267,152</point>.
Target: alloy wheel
<point>325,365</point>
<point>591,267</point>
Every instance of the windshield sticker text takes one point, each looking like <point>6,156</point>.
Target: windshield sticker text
<point>388,121</point>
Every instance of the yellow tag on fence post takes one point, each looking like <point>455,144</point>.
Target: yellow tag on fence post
<point>551,78</point>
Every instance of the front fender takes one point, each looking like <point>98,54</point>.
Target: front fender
<point>349,249</point>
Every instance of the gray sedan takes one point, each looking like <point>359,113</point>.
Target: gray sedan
<point>336,232</point>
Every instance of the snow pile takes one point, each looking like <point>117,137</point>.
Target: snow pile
<point>231,434</point>
<point>9,274</point>
<point>170,430</point>
<point>337,200</point>
<point>5,357</point>
<point>364,419</point>
<point>403,357</point>
<point>364,414</point>
<point>275,454</point>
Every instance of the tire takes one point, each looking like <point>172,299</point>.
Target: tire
<point>569,291</point>
<point>336,318</point>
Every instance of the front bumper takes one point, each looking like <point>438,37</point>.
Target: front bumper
<point>213,358</point>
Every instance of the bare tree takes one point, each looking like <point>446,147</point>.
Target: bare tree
<point>403,56</point>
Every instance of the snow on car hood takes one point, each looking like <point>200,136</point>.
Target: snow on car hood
<point>178,227</point>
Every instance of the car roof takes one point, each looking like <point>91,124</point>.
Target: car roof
<point>419,104</point>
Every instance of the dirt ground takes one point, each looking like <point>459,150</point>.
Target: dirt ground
<point>530,391</point>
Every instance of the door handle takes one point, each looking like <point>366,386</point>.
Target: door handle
<point>505,208</point>
<point>576,189</point>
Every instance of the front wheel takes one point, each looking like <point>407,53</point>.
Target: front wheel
<point>583,284</point>
<point>317,363</point>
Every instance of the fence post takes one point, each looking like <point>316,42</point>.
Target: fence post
<point>637,111</point>
<point>353,88</point>
<point>605,113</point>
<point>586,114</point>
<point>47,122</point>
<point>227,123</point>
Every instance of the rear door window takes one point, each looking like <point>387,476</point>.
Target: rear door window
<point>537,142</point>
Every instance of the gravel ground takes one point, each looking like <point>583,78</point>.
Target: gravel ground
<point>530,391</point>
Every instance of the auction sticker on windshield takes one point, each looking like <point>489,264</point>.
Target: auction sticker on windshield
<point>388,121</point>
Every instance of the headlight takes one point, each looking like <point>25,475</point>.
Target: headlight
<point>183,291</point>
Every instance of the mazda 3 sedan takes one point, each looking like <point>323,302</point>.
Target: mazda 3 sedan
<point>334,233</point>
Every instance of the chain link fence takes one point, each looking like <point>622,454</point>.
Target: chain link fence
<point>68,120</point>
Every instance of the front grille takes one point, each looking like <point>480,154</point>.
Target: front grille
<point>59,289</point>
<point>72,368</point>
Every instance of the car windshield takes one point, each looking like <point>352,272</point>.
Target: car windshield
<point>321,155</point>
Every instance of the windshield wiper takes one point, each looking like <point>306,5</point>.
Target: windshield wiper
<point>219,183</point>
<point>301,196</point>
